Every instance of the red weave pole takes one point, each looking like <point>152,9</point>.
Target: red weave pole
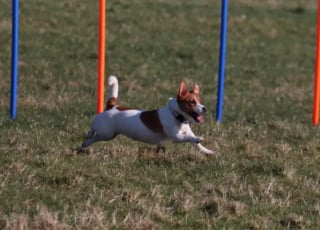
<point>101,55</point>
<point>316,96</point>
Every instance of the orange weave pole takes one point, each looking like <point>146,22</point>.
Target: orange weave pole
<point>316,96</point>
<point>101,55</point>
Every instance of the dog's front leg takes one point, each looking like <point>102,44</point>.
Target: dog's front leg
<point>185,137</point>
<point>204,149</point>
<point>184,134</point>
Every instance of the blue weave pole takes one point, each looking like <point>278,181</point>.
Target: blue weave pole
<point>222,59</point>
<point>14,59</point>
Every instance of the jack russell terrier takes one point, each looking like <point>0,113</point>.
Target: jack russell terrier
<point>171,122</point>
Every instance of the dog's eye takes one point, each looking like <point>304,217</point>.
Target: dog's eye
<point>193,102</point>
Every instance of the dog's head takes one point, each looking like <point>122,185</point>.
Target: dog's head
<point>189,102</point>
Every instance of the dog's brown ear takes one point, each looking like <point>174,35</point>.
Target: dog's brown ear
<point>183,90</point>
<point>196,89</point>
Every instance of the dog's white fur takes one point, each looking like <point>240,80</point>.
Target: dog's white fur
<point>128,122</point>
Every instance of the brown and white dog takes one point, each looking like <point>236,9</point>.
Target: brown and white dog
<point>171,122</point>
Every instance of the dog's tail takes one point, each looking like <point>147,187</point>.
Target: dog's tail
<point>114,89</point>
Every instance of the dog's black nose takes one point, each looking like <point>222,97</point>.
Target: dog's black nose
<point>204,110</point>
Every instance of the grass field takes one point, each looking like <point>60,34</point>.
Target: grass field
<point>266,171</point>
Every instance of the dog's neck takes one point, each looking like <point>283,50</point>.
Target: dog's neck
<point>176,112</point>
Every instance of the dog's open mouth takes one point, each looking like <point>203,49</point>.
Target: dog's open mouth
<point>197,117</point>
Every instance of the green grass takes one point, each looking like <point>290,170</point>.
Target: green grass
<point>266,171</point>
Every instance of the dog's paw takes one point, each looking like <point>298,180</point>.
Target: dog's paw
<point>204,149</point>
<point>199,139</point>
<point>81,151</point>
<point>208,152</point>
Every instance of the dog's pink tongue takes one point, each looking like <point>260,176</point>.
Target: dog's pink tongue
<point>200,119</point>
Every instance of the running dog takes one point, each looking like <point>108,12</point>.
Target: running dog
<point>169,123</point>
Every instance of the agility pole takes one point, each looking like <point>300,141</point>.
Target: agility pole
<point>222,59</point>
<point>316,96</point>
<point>101,55</point>
<point>14,59</point>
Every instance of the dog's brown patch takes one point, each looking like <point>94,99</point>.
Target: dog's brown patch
<point>152,121</point>
<point>188,100</point>
<point>122,108</point>
<point>111,103</point>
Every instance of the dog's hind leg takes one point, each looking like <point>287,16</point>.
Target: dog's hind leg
<point>90,140</point>
<point>93,137</point>
<point>90,133</point>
